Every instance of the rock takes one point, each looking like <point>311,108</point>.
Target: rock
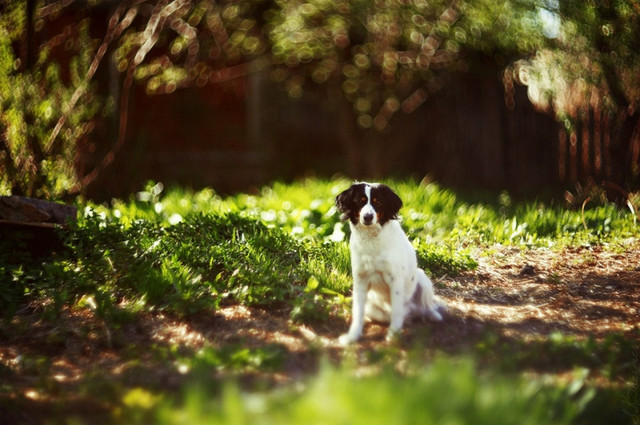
<point>527,270</point>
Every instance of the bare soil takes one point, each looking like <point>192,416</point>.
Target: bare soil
<point>514,299</point>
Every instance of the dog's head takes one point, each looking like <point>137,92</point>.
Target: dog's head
<point>369,204</point>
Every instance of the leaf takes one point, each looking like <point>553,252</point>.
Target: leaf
<point>312,284</point>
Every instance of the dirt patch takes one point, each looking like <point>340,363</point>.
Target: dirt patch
<point>76,365</point>
<point>582,292</point>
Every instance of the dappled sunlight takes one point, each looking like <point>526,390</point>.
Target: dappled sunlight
<point>176,333</point>
<point>246,323</point>
<point>504,314</point>
<point>587,293</point>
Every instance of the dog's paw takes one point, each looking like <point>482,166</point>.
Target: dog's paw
<point>434,315</point>
<point>347,339</point>
<point>393,335</point>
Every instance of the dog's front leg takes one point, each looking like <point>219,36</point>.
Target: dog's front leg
<point>357,314</point>
<point>397,311</point>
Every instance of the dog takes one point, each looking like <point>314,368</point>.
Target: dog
<point>388,286</point>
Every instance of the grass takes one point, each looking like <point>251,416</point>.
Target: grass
<point>335,396</point>
<point>306,210</point>
<point>186,253</point>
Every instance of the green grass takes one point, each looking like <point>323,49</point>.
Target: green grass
<point>185,253</point>
<point>287,242</point>
<point>306,210</point>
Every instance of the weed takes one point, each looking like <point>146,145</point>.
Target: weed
<point>234,358</point>
<point>440,260</point>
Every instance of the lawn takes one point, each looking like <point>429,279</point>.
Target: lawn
<point>185,307</point>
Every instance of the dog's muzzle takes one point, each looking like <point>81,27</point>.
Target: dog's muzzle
<point>367,219</point>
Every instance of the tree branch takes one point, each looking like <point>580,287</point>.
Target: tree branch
<point>155,25</point>
<point>122,131</point>
<point>433,41</point>
<point>116,26</point>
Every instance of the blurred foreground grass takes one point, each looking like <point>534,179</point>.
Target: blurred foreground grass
<point>445,392</point>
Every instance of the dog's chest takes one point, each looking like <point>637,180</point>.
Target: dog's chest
<point>381,256</point>
<point>367,265</point>
<point>371,257</point>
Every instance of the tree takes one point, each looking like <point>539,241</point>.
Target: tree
<point>594,62</point>
<point>47,106</point>
<point>370,59</point>
<point>33,91</point>
<point>380,57</point>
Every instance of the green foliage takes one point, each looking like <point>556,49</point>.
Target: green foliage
<point>193,264</point>
<point>613,356</point>
<point>24,277</point>
<point>235,358</point>
<point>210,38</point>
<point>444,217</point>
<point>377,60</point>
<point>184,252</point>
<point>33,96</point>
<point>132,258</point>
<point>380,57</point>
<point>590,63</point>
<point>439,260</point>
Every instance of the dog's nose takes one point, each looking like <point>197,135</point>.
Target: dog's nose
<point>367,218</point>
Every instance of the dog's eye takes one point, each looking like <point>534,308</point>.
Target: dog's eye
<point>360,200</point>
<point>376,201</point>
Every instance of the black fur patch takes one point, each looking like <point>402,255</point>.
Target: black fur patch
<point>386,203</point>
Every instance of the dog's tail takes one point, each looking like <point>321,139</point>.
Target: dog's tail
<point>430,304</point>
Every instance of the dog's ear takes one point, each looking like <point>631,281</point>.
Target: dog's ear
<point>347,204</point>
<point>344,201</point>
<point>391,203</point>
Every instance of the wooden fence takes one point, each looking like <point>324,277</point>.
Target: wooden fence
<point>473,134</point>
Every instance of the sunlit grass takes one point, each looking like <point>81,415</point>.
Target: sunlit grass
<point>435,215</point>
<point>186,250</point>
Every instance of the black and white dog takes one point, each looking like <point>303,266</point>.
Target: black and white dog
<point>388,286</point>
